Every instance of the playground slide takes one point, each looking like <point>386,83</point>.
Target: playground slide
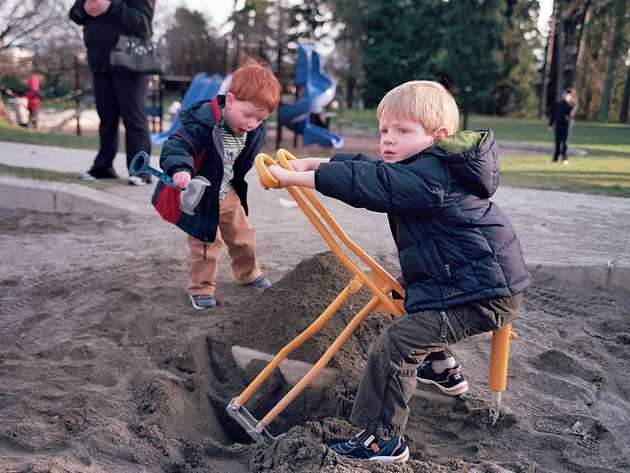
<point>319,91</point>
<point>202,87</point>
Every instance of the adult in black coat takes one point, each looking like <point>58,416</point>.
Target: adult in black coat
<point>560,119</point>
<point>118,94</point>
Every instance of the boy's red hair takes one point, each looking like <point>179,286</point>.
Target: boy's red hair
<point>255,83</point>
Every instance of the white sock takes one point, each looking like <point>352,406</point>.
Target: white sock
<point>440,365</point>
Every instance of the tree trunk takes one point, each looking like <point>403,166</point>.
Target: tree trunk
<point>559,48</point>
<point>620,19</point>
<point>546,72</point>
<point>625,103</point>
<point>582,25</point>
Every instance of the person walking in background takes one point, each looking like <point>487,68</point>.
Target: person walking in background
<point>34,104</point>
<point>117,93</point>
<point>561,119</point>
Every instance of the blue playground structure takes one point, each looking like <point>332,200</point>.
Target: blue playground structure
<point>202,87</point>
<point>319,91</point>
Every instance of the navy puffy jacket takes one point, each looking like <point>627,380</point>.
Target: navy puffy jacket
<point>454,244</point>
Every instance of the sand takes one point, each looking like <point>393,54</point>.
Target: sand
<point>105,367</point>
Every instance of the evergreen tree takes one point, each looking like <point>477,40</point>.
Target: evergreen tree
<point>474,44</point>
<point>190,41</point>
<point>516,89</point>
<point>402,42</point>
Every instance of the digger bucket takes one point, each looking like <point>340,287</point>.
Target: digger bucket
<point>379,282</point>
<point>249,423</point>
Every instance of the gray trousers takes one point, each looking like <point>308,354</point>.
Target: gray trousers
<point>382,401</point>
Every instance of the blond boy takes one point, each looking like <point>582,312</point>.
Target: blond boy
<point>461,261</point>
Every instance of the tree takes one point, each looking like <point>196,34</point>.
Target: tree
<point>402,42</point>
<point>252,28</point>
<point>26,22</point>
<point>625,101</point>
<point>578,17</point>
<point>615,56</point>
<point>484,45</point>
<point>349,16</point>
<point>192,44</point>
<point>309,20</point>
<point>516,88</point>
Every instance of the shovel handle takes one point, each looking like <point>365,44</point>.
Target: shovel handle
<point>262,162</point>
<point>140,165</point>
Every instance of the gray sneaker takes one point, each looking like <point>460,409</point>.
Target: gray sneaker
<point>261,282</point>
<point>203,302</point>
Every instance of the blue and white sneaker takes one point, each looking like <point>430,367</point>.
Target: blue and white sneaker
<point>367,446</point>
<point>451,381</point>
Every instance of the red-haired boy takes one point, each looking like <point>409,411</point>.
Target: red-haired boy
<point>219,140</point>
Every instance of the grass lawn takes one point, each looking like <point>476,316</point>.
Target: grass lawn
<point>54,176</point>
<point>18,134</point>
<point>604,170</point>
<point>606,175</point>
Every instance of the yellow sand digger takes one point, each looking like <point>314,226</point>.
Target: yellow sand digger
<point>378,281</point>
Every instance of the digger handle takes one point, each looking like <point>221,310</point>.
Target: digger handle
<point>262,162</point>
<point>284,157</point>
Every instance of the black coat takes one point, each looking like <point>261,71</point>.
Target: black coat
<point>100,34</point>
<point>561,114</point>
<point>454,244</point>
<point>197,148</point>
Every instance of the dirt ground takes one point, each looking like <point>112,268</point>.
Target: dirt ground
<point>105,367</point>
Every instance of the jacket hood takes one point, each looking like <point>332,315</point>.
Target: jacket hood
<point>201,113</point>
<point>472,157</point>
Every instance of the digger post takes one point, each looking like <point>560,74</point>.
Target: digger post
<point>499,357</point>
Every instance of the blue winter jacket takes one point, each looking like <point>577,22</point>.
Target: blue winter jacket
<point>454,244</point>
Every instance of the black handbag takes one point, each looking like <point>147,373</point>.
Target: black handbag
<point>135,54</point>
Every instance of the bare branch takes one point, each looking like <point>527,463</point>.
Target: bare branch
<point>26,22</point>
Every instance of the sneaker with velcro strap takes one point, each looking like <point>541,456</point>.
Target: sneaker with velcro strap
<point>368,446</point>
<point>451,381</point>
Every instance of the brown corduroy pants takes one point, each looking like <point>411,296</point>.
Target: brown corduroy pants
<point>240,237</point>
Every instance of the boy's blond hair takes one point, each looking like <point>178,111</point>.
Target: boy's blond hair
<point>421,101</point>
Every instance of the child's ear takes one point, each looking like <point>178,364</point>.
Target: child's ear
<point>229,100</point>
<point>440,133</point>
